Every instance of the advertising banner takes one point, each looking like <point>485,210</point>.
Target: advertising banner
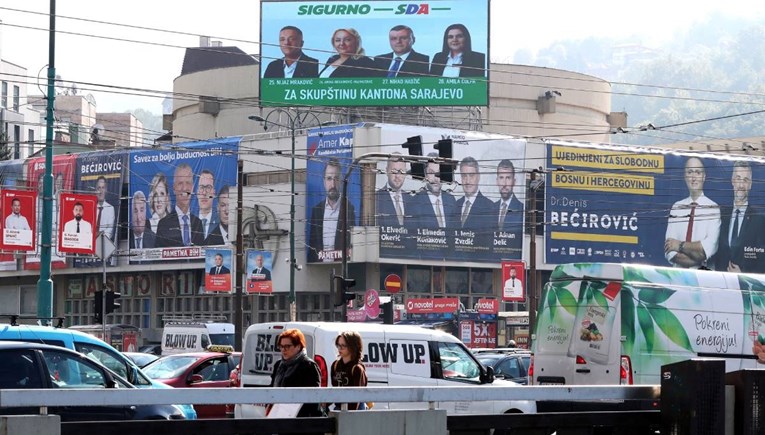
<point>478,334</point>
<point>432,305</point>
<point>514,281</point>
<point>78,232</point>
<point>218,270</point>
<point>102,173</point>
<point>330,152</point>
<point>374,53</point>
<point>19,224</point>
<point>478,218</point>
<point>487,306</point>
<point>258,269</point>
<point>177,197</point>
<point>63,181</point>
<point>613,204</point>
<point>11,176</point>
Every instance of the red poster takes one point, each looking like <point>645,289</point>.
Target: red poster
<point>218,270</point>
<point>19,220</point>
<point>475,333</point>
<point>438,305</point>
<point>129,341</point>
<point>514,281</point>
<point>487,306</point>
<point>77,213</point>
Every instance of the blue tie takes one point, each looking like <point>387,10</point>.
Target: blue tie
<point>186,234</point>
<point>394,68</point>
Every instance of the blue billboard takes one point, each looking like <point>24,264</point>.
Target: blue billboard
<point>617,204</point>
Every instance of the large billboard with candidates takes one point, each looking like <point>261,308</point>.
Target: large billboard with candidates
<point>374,53</point>
<point>478,218</point>
<point>614,204</point>
<point>179,199</point>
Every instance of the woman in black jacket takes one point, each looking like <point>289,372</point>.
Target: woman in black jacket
<point>296,369</point>
<point>457,58</point>
<point>350,60</point>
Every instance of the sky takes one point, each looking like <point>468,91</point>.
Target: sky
<point>90,57</point>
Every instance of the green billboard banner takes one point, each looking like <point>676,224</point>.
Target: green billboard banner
<point>379,53</point>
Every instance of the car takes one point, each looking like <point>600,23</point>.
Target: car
<point>154,349</point>
<point>141,359</point>
<point>41,366</point>
<point>196,370</point>
<point>512,366</point>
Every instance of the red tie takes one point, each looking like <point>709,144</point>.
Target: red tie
<point>689,231</point>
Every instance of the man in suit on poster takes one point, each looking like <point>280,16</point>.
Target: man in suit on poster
<point>474,208</point>
<point>219,235</point>
<point>181,227</point>
<point>326,224</point>
<point>392,203</point>
<point>15,220</point>
<point>205,198</point>
<point>219,268</point>
<point>295,63</point>
<point>508,209</point>
<point>78,225</point>
<point>741,228</point>
<point>142,236</point>
<point>260,273</point>
<point>403,61</point>
<point>105,215</point>
<point>433,207</point>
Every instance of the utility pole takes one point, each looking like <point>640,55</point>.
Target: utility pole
<point>45,284</point>
<point>239,296</point>
<point>534,185</point>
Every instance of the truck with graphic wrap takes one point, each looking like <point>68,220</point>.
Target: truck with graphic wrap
<point>617,324</point>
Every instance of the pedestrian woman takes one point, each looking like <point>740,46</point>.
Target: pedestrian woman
<point>457,58</point>
<point>348,370</point>
<point>296,369</point>
<point>350,60</point>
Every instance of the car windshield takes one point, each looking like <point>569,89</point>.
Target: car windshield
<point>169,367</point>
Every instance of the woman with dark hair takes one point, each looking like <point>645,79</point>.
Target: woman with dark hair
<point>457,58</point>
<point>296,369</point>
<point>348,370</point>
<point>350,60</point>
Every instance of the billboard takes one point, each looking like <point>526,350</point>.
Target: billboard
<point>11,176</point>
<point>330,151</point>
<point>616,204</point>
<point>19,223</point>
<point>218,267</point>
<point>176,199</point>
<point>258,270</point>
<point>514,281</point>
<point>78,215</point>
<point>63,181</point>
<point>478,218</point>
<point>102,173</point>
<point>374,53</point>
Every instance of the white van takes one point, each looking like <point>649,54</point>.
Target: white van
<point>611,324</point>
<point>195,336</point>
<point>394,355</point>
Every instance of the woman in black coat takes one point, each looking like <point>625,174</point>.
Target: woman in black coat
<point>350,60</point>
<point>457,58</point>
<point>296,369</point>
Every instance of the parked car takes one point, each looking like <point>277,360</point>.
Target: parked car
<point>40,366</point>
<point>196,370</point>
<point>141,359</point>
<point>511,366</point>
<point>155,349</point>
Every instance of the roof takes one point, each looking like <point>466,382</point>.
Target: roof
<point>206,58</point>
<point>338,327</point>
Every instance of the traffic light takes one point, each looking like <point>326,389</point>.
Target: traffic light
<point>342,285</point>
<point>387,312</point>
<point>111,301</point>
<point>414,145</point>
<point>98,305</point>
<point>444,147</point>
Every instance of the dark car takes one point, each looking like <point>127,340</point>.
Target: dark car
<point>512,366</point>
<point>155,349</point>
<point>32,365</point>
<point>196,370</point>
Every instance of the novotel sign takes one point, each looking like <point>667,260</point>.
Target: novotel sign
<point>487,306</point>
<point>437,305</point>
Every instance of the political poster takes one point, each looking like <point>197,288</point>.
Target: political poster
<point>102,173</point>
<point>632,205</point>
<point>78,214</point>
<point>258,271</point>
<point>218,267</point>
<point>11,176</point>
<point>514,281</point>
<point>18,226</point>
<point>176,198</point>
<point>63,170</point>
<point>374,53</point>
<point>330,153</point>
<point>477,218</point>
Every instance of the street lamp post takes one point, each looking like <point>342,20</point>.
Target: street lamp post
<point>296,120</point>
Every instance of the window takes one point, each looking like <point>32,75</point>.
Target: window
<point>457,280</point>
<point>31,141</point>
<point>418,279</point>
<point>481,281</point>
<point>68,371</point>
<point>16,98</point>
<point>113,362</point>
<point>29,300</point>
<point>16,142</point>
<point>456,363</point>
<point>18,370</point>
<point>4,96</point>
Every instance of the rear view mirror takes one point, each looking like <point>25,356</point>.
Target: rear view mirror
<point>487,376</point>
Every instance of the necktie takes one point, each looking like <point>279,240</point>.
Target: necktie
<point>186,233</point>
<point>439,215</point>
<point>78,226</point>
<point>204,227</point>
<point>465,212</point>
<point>98,219</point>
<point>394,68</point>
<point>139,243</point>
<point>399,211</point>
<point>689,231</point>
<point>734,233</point>
<point>502,213</point>
<point>217,270</point>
